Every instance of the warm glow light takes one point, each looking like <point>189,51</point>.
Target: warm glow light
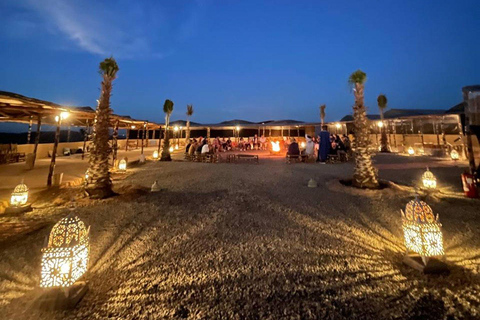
<point>155,154</point>
<point>175,128</point>
<point>429,180</point>
<point>411,151</point>
<point>380,124</point>
<point>64,115</point>
<point>133,127</point>
<point>237,128</point>
<point>422,230</point>
<point>171,149</point>
<point>275,146</point>
<point>338,125</point>
<point>302,144</point>
<point>122,165</point>
<point>454,155</point>
<point>176,147</point>
<point>65,258</point>
<point>19,195</point>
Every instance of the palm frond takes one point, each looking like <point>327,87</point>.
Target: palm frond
<point>382,101</point>
<point>357,77</point>
<point>189,110</point>
<point>109,67</point>
<point>168,106</point>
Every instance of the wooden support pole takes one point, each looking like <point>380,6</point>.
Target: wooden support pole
<point>444,138</point>
<point>126,140</point>
<point>138,137</point>
<point>395,135</point>
<point>147,137</point>
<point>281,131</point>
<point>143,136</point>
<point>115,143</point>
<point>403,136</point>
<point>37,139</point>
<point>470,108</point>
<point>29,134</point>
<point>298,132</point>
<point>68,133</point>
<point>85,138</point>
<point>54,152</point>
<point>159,139</point>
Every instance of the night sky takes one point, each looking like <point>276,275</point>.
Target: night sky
<point>253,60</point>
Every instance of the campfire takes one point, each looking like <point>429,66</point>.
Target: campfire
<point>275,147</point>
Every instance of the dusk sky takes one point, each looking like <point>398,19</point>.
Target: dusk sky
<point>252,60</point>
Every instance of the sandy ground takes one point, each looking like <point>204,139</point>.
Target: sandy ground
<point>247,241</point>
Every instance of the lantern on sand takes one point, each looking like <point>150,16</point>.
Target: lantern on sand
<point>155,154</point>
<point>422,230</point>
<point>122,165</point>
<point>65,258</point>
<point>176,147</point>
<point>171,149</point>
<point>19,195</point>
<point>454,155</point>
<point>429,180</point>
<point>411,151</point>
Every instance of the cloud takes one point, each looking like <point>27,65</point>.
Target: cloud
<point>127,29</point>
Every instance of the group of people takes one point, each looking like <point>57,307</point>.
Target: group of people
<point>202,145</point>
<point>323,146</point>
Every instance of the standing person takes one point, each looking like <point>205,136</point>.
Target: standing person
<point>324,145</point>
<point>310,147</point>
<point>263,142</point>
<point>293,149</point>
<point>255,142</point>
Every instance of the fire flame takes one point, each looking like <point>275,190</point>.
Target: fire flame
<point>275,146</point>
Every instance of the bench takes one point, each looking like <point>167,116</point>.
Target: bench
<point>9,154</point>
<point>296,158</point>
<point>246,157</point>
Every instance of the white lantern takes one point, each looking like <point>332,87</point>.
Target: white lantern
<point>65,258</point>
<point>380,124</point>
<point>422,230</point>
<point>302,144</point>
<point>338,125</point>
<point>19,195</point>
<point>122,165</point>
<point>411,151</point>
<point>155,154</point>
<point>171,149</point>
<point>454,155</point>
<point>429,180</point>
<point>176,147</point>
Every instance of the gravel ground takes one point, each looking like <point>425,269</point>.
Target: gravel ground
<point>247,241</point>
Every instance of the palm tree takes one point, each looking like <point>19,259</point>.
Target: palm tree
<point>382,105</point>
<point>322,113</point>
<point>100,185</point>
<point>167,109</point>
<point>189,114</point>
<point>364,175</point>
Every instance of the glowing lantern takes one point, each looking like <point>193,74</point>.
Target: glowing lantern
<point>171,149</point>
<point>19,195</point>
<point>454,155</point>
<point>302,144</point>
<point>422,230</point>
<point>237,128</point>
<point>275,146</point>
<point>155,154</point>
<point>176,147</point>
<point>65,258</point>
<point>429,180</point>
<point>338,125</point>
<point>380,124</point>
<point>122,165</point>
<point>411,151</point>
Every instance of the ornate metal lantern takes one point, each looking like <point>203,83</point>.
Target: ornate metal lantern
<point>65,258</point>
<point>429,180</point>
<point>422,230</point>
<point>155,154</point>
<point>122,165</point>
<point>19,195</point>
<point>454,155</point>
<point>411,151</point>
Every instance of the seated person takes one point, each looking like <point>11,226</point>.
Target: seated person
<point>263,142</point>
<point>241,144</point>
<point>333,148</point>
<point>199,147</point>
<point>193,147</point>
<point>255,142</point>
<point>188,145</point>
<point>205,147</point>
<point>293,149</point>
<point>229,144</point>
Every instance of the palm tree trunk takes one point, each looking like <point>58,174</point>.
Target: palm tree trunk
<point>365,175</point>
<point>166,142</point>
<point>383,137</point>
<point>187,134</point>
<point>101,185</point>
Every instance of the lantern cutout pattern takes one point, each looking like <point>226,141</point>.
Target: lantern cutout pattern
<point>411,151</point>
<point>19,195</point>
<point>65,258</point>
<point>454,155</point>
<point>422,230</point>
<point>122,165</point>
<point>429,180</point>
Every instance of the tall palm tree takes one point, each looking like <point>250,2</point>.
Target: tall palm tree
<point>322,113</point>
<point>167,109</point>
<point>100,185</point>
<point>382,105</point>
<point>189,114</point>
<point>364,175</point>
